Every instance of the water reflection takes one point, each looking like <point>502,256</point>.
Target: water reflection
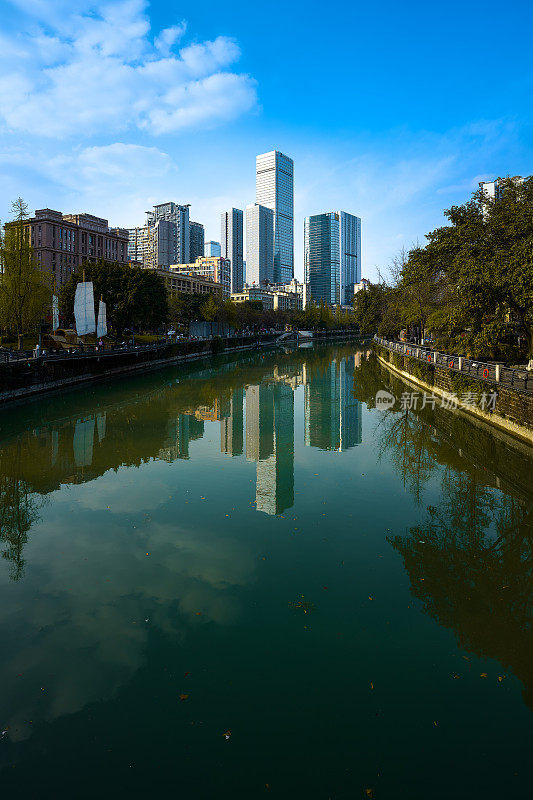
<point>470,559</point>
<point>256,418</point>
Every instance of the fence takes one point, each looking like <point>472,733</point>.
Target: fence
<point>480,370</point>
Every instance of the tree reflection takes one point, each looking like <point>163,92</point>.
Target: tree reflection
<point>19,509</point>
<point>471,560</point>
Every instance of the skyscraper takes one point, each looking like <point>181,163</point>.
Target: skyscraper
<point>177,233</point>
<point>259,245</point>
<point>274,175</point>
<point>196,240</point>
<point>332,256</point>
<point>212,249</point>
<point>231,239</point>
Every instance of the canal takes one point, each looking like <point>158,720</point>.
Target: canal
<point>241,579</point>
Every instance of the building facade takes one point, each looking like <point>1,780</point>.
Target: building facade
<point>188,284</point>
<point>139,245</point>
<point>212,249</point>
<point>332,256</point>
<point>275,190</point>
<point>211,268</point>
<point>231,240</point>
<point>196,240</point>
<point>63,242</point>
<point>293,287</point>
<point>259,245</point>
<point>171,242</point>
<point>277,300</point>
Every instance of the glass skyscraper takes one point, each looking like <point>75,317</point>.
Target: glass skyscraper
<point>332,256</point>
<point>259,245</point>
<point>231,239</point>
<point>274,173</point>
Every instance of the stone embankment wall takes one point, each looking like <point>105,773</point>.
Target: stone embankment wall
<point>513,410</point>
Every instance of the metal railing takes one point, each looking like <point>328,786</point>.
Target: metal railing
<point>491,372</point>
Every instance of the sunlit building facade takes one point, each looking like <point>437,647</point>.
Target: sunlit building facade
<point>275,190</point>
<point>332,256</point>
<point>231,241</point>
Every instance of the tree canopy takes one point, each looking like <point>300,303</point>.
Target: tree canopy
<point>135,298</point>
<point>25,291</point>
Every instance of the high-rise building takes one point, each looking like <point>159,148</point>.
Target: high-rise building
<point>259,245</point>
<point>332,256</point>
<point>212,249</point>
<point>175,238</point>
<point>196,240</point>
<point>275,189</point>
<point>139,245</point>
<point>231,239</point>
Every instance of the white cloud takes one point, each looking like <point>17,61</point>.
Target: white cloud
<point>95,68</point>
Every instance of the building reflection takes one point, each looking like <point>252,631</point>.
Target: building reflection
<point>333,417</point>
<point>116,427</point>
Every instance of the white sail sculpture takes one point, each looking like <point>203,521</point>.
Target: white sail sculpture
<point>84,308</point>
<point>55,312</point>
<point>101,328</point>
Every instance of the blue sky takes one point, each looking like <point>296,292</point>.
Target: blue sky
<point>391,111</point>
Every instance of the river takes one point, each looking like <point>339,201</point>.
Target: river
<point>240,579</point>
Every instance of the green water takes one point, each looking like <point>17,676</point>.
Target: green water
<point>240,580</point>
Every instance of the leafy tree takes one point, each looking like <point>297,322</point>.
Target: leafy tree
<point>134,297</point>
<point>25,291</point>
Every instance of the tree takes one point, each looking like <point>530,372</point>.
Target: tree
<point>25,291</point>
<point>134,297</point>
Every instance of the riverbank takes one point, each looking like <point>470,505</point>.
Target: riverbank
<point>25,379</point>
<point>513,409</point>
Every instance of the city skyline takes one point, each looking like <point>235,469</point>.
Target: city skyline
<point>199,105</point>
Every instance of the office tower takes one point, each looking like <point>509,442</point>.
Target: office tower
<point>259,245</point>
<point>275,189</point>
<point>244,273</point>
<point>175,236</point>
<point>196,240</point>
<point>332,417</point>
<point>212,249</point>
<point>231,240</point>
<point>332,256</point>
<point>232,426</point>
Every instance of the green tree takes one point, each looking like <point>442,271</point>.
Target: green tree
<point>25,291</point>
<point>134,297</point>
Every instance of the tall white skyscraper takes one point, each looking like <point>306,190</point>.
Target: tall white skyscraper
<point>274,175</point>
<point>259,245</point>
<point>332,256</point>
<point>231,240</point>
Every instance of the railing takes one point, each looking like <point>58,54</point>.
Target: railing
<point>480,370</point>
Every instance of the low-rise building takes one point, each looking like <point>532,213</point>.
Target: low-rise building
<point>270,298</point>
<point>188,283</point>
<point>214,268</point>
<point>63,242</point>
<point>293,287</point>
<point>361,286</point>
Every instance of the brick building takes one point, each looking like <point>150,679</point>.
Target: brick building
<point>62,242</point>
